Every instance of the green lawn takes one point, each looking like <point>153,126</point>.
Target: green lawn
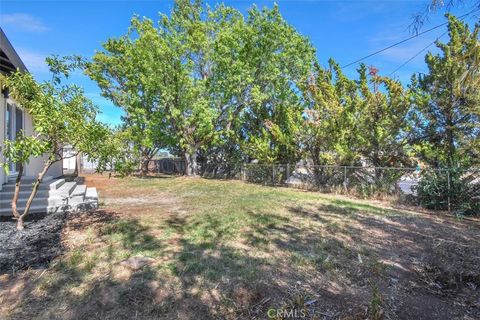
<point>230,250</point>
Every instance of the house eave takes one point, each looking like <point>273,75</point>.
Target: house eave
<point>9,59</point>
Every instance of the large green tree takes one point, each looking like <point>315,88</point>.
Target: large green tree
<point>128,71</point>
<point>211,76</point>
<point>383,130</point>
<point>278,63</point>
<point>346,120</point>
<point>447,120</point>
<point>328,129</point>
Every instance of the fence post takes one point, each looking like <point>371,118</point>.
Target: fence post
<point>448,191</point>
<point>273,174</point>
<point>287,175</point>
<point>345,178</point>
<point>242,173</point>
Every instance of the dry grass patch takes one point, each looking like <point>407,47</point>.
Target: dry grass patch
<point>229,250</point>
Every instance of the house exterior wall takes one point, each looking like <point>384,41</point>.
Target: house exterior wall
<point>9,63</point>
<point>2,135</point>
<point>35,165</point>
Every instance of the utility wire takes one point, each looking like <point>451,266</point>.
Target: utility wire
<point>407,39</point>
<point>416,55</point>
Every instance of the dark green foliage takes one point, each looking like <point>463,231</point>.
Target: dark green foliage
<point>438,188</point>
<point>432,190</point>
<point>447,100</point>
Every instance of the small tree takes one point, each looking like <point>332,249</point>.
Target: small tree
<point>118,154</point>
<point>20,151</point>
<point>61,115</point>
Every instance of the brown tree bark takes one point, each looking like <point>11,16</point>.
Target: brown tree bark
<point>147,155</point>
<point>20,225</point>
<point>17,191</point>
<point>144,166</point>
<point>77,165</point>
<point>190,163</point>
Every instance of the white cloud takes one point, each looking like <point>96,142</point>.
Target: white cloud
<point>23,21</point>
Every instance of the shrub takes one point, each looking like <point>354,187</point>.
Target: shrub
<point>435,191</point>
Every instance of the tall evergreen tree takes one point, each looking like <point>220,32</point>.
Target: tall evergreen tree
<point>447,120</point>
<point>328,131</point>
<point>383,129</point>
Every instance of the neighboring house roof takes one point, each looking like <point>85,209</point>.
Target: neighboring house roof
<point>9,59</point>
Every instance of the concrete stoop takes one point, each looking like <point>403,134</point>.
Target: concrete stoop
<point>53,195</point>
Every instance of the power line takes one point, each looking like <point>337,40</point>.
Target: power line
<point>405,40</point>
<point>417,54</point>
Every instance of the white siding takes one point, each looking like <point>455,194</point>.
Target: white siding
<point>2,136</point>
<point>36,164</point>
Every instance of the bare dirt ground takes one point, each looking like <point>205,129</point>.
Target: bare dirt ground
<point>229,250</point>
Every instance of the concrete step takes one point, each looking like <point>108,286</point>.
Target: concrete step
<point>77,200</point>
<point>8,195</point>
<point>91,198</point>
<point>91,194</point>
<point>28,179</point>
<point>34,209</point>
<point>52,202</point>
<point>51,196</point>
<point>25,186</point>
<point>80,190</point>
<point>24,194</point>
<point>65,190</point>
<point>22,202</point>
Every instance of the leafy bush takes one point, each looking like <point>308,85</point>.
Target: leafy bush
<point>463,190</point>
<point>125,167</point>
<point>370,183</point>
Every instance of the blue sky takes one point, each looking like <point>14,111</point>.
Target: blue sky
<point>344,30</point>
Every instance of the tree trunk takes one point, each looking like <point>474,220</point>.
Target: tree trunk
<point>191,162</point>
<point>451,142</point>
<point>17,191</point>
<point>144,166</point>
<point>145,161</point>
<point>33,194</point>
<point>77,165</point>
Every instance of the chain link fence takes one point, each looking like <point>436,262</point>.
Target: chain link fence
<point>167,166</point>
<point>452,190</point>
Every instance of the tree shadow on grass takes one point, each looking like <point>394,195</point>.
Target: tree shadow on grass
<point>272,258</point>
<point>221,268</point>
<point>350,206</point>
<point>209,278</point>
<point>409,255</point>
<point>238,276</point>
<point>221,275</point>
<point>90,281</point>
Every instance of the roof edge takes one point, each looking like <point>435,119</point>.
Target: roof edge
<point>9,50</point>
